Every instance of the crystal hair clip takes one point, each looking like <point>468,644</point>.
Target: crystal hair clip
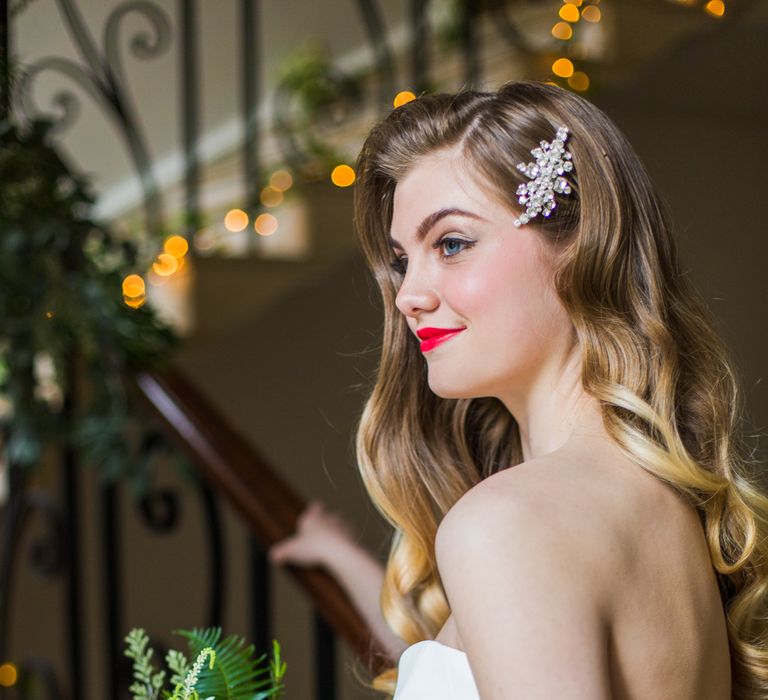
<point>552,160</point>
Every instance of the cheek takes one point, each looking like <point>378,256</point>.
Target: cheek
<point>506,293</point>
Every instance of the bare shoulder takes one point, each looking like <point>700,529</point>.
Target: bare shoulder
<point>523,562</point>
<point>587,558</point>
<point>591,511</point>
<point>566,506</point>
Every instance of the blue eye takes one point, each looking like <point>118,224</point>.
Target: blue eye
<point>457,245</point>
<point>461,245</point>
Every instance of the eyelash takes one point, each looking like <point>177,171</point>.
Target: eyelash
<point>399,266</point>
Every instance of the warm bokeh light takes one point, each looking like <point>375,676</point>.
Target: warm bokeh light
<point>342,176</point>
<point>591,13</point>
<point>176,246</point>
<point>9,674</point>
<point>133,286</point>
<point>203,240</point>
<point>281,180</point>
<point>716,8</point>
<point>49,314</point>
<point>563,67</point>
<point>579,81</point>
<point>235,220</point>
<point>562,30</point>
<point>569,12</point>
<point>270,197</point>
<point>165,265</point>
<point>156,280</point>
<point>157,277</point>
<point>265,224</point>
<point>403,97</point>
<point>135,302</point>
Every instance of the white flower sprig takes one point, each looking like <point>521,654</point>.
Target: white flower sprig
<point>188,691</point>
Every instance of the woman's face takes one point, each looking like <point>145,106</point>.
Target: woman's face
<point>478,272</point>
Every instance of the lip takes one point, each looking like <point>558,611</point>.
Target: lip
<point>432,337</point>
<point>429,332</point>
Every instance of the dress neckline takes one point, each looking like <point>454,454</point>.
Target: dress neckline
<point>439,644</point>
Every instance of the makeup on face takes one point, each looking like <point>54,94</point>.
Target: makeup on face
<point>432,337</point>
<point>476,273</point>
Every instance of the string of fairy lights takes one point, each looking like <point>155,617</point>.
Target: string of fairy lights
<point>572,15</point>
<point>572,12</point>
<point>172,259</point>
<point>714,8</point>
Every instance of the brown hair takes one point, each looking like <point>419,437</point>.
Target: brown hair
<point>664,379</point>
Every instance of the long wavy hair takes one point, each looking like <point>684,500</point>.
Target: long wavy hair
<point>665,381</point>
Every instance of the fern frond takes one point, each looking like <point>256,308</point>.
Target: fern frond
<point>148,680</point>
<point>276,668</point>
<point>276,672</point>
<point>237,675</point>
<point>178,663</point>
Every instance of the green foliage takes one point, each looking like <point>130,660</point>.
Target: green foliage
<point>147,679</point>
<point>186,690</point>
<point>319,94</point>
<point>62,310</point>
<point>449,31</point>
<point>310,74</point>
<point>237,675</point>
<point>178,664</point>
<point>276,667</point>
<point>232,672</point>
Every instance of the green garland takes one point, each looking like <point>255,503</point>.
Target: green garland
<point>232,674</point>
<point>63,322</point>
<point>321,94</point>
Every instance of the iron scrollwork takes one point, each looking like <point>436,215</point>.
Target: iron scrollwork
<point>160,509</point>
<point>102,77</point>
<point>377,36</point>
<point>35,673</point>
<point>48,556</point>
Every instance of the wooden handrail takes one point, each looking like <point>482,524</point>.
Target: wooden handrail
<point>266,502</point>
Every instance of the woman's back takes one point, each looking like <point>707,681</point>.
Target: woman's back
<point>667,634</point>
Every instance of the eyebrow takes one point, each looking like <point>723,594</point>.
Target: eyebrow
<point>429,222</point>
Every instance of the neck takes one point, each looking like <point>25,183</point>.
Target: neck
<point>556,410</point>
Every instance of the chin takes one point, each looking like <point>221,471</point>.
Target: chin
<point>451,390</point>
<point>458,384</point>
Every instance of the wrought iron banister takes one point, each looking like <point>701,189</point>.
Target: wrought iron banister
<point>267,503</point>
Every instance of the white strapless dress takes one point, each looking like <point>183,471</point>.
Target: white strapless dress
<point>429,670</point>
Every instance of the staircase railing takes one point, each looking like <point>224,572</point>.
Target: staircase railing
<point>269,506</point>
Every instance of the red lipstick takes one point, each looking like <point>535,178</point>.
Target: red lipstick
<point>431,337</point>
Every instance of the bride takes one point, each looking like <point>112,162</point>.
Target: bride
<point>554,431</point>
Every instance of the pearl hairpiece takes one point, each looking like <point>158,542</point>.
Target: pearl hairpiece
<point>552,160</point>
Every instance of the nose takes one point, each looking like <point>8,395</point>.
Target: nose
<point>417,293</point>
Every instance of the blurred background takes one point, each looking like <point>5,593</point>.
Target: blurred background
<point>188,332</point>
